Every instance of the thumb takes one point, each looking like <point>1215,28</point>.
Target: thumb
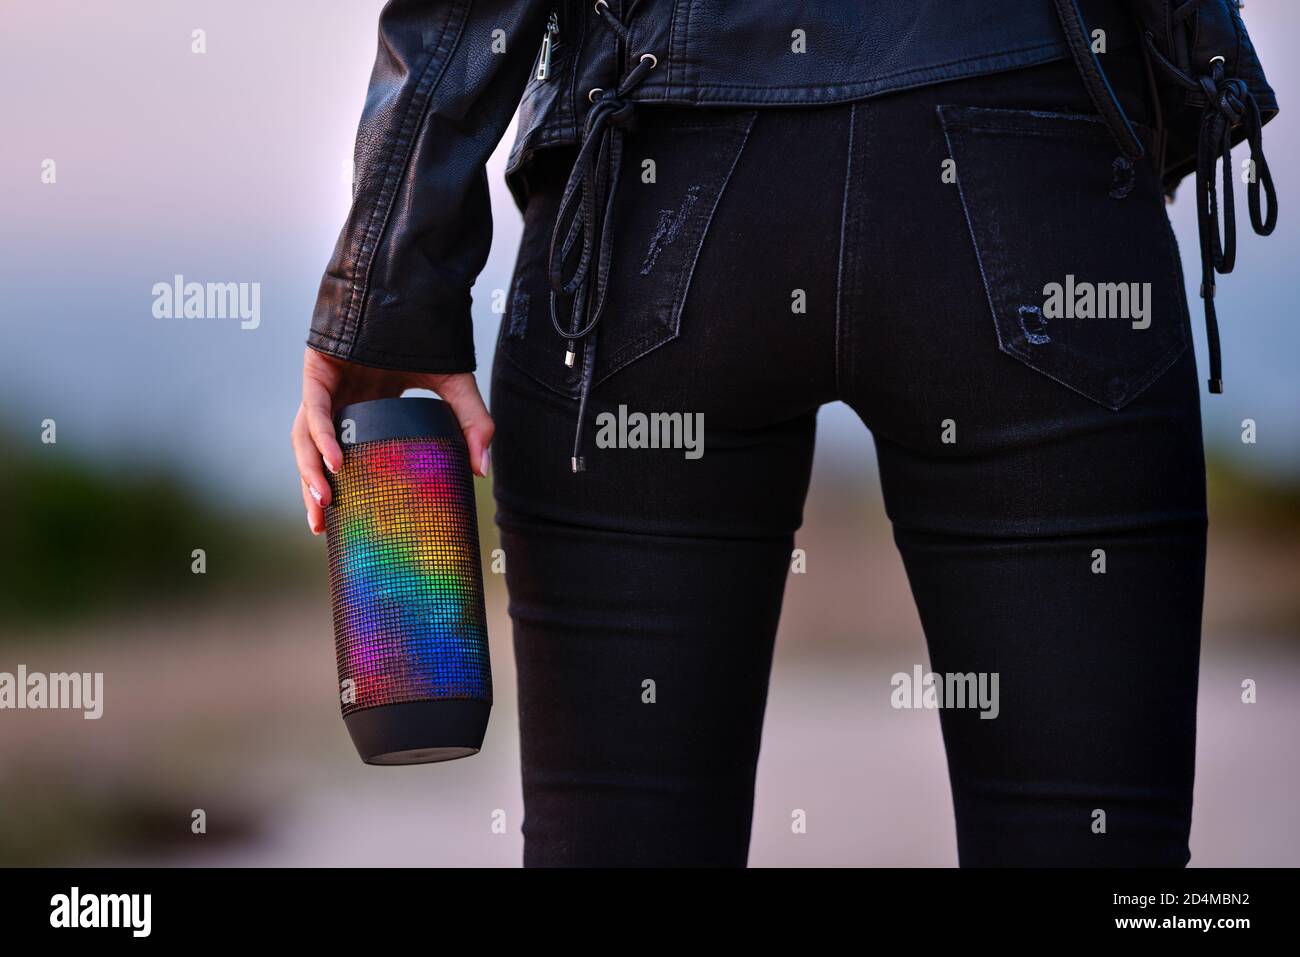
<point>460,391</point>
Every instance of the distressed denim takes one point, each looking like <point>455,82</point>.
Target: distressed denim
<point>896,255</point>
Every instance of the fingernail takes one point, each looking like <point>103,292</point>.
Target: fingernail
<point>486,462</point>
<point>314,493</point>
<point>310,527</point>
<point>334,469</point>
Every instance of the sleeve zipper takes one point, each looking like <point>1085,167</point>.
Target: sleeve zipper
<point>549,39</point>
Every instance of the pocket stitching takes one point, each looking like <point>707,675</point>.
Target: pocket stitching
<point>665,327</point>
<point>673,324</point>
<point>953,119</point>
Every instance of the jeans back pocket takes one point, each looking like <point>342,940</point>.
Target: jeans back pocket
<point>1076,252</point>
<point>675,167</point>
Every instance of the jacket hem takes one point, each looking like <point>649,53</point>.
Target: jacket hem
<point>436,364</point>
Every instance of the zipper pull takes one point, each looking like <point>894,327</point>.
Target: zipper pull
<point>548,43</point>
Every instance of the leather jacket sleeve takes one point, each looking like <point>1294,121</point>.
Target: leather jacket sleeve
<point>447,80</point>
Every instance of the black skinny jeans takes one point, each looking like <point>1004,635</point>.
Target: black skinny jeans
<point>778,260</point>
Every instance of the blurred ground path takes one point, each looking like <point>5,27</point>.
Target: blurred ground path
<point>232,710</point>
<point>871,779</point>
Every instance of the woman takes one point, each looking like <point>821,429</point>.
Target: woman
<point>950,219</point>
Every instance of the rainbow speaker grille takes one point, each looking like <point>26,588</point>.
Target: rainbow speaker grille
<point>406,582</point>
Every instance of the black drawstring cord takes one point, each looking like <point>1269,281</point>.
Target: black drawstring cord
<point>586,212</point>
<point>1228,104</point>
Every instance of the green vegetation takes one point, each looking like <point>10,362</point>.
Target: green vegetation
<point>1255,502</point>
<point>79,541</point>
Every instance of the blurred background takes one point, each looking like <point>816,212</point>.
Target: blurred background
<point>220,689</point>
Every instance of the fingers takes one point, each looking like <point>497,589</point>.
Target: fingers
<point>324,384</point>
<point>317,406</point>
<point>460,391</point>
<point>313,435</point>
<point>315,489</point>
<point>315,514</point>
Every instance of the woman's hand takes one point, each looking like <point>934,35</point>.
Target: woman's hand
<point>328,383</point>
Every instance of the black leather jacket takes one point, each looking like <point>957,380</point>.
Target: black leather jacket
<point>449,76</point>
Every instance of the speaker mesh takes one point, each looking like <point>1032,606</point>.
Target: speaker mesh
<point>407,588</point>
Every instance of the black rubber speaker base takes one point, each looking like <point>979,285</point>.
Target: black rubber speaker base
<point>419,732</point>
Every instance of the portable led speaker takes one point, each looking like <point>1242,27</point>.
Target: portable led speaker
<point>410,630</point>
